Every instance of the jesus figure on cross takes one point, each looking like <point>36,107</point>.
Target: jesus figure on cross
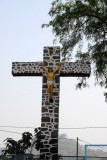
<point>50,80</point>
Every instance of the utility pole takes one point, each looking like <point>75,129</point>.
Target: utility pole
<point>77,148</point>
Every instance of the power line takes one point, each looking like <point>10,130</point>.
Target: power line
<point>84,141</point>
<point>86,128</point>
<point>16,127</point>
<point>58,138</point>
<point>59,128</point>
<point>76,139</point>
<point>67,138</point>
<point>22,133</point>
<point>10,131</point>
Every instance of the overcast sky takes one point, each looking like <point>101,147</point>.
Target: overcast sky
<point>22,39</point>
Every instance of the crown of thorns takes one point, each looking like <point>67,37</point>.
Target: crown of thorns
<point>51,69</point>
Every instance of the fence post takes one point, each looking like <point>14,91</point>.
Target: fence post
<point>24,157</point>
<point>15,154</point>
<point>85,152</point>
<point>77,148</point>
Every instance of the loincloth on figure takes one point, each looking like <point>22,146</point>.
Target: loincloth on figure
<point>50,82</point>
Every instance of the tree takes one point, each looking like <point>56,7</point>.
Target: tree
<point>11,147</point>
<point>27,143</point>
<point>77,21</point>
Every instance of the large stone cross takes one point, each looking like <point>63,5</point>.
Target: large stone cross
<point>50,111</point>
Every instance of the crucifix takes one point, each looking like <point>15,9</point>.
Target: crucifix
<point>50,110</point>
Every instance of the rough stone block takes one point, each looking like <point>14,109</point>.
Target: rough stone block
<point>57,79</point>
<point>56,110</point>
<point>54,134</point>
<point>44,109</point>
<point>44,150</point>
<point>56,120</point>
<point>45,119</point>
<point>55,93</point>
<point>56,126</point>
<point>55,157</point>
<point>41,145</point>
<point>54,149</point>
<point>44,129</point>
<point>53,141</point>
<point>44,79</point>
<point>42,156</point>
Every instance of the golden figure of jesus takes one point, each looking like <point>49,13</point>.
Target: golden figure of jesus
<point>50,80</point>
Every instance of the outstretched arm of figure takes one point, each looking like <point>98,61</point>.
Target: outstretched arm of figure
<point>57,68</point>
<point>44,68</point>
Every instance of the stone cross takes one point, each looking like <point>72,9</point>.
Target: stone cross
<point>50,111</point>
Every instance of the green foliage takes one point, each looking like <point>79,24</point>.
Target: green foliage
<point>27,143</point>
<point>72,21</point>
<point>12,146</point>
<point>105,94</point>
<point>37,134</point>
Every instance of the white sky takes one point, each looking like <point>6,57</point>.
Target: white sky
<point>23,39</point>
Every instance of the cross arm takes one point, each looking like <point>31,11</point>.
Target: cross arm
<point>27,69</point>
<point>75,69</point>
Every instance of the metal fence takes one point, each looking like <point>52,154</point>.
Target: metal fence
<point>95,158</point>
<point>82,158</point>
<point>37,157</point>
<point>72,157</point>
<point>20,157</point>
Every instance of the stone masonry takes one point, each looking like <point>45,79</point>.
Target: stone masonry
<point>74,69</point>
<point>50,111</point>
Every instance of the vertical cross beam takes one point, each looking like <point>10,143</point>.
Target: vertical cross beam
<point>50,111</point>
